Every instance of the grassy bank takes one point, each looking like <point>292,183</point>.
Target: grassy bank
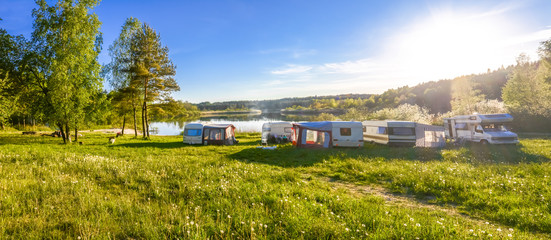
<point>160,188</point>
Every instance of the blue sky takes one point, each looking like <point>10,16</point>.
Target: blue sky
<point>255,50</point>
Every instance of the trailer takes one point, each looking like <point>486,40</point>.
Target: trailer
<point>403,133</point>
<point>327,134</point>
<point>193,133</point>
<point>480,128</point>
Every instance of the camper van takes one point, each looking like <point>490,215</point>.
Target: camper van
<point>327,134</point>
<point>276,132</point>
<point>484,129</point>
<point>193,133</point>
<point>395,133</point>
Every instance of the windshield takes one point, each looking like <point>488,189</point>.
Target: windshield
<point>495,128</point>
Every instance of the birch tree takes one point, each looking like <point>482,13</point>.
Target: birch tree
<point>67,42</point>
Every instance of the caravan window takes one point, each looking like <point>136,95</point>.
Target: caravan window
<point>402,131</point>
<point>381,130</point>
<point>192,132</point>
<point>461,126</point>
<point>288,129</point>
<point>346,131</point>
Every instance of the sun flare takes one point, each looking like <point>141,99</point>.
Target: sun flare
<point>448,45</point>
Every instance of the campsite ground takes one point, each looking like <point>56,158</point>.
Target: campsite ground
<point>161,188</point>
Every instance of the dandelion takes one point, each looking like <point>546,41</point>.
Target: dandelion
<point>229,216</point>
<point>417,224</point>
<point>470,230</point>
<point>405,224</point>
<point>499,229</point>
<point>510,229</point>
<point>222,231</point>
<point>509,235</point>
<point>487,223</point>
<point>347,229</point>
<point>411,219</point>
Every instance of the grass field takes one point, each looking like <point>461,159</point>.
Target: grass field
<point>161,188</point>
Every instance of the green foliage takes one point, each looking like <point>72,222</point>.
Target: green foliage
<point>465,96</point>
<point>161,188</point>
<point>67,41</point>
<point>528,95</point>
<point>170,109</point>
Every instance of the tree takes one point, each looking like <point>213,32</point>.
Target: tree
<point>465,96</point>
<point>119,71</point>
<point>152,69</point>
<point>66,40</point>
<point>527,95</point>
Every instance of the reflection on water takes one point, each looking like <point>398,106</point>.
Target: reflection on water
<point>242,123</point>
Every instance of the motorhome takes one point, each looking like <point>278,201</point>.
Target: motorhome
<point>193,133</point>
<point>481,128</point>
<point>327,134</point>
<point>403,133</point>
<point>276,132</point>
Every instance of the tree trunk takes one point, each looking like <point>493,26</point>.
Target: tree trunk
<point>62,132</point>
<point>123,124</point>
<point>146,120</point>
<point>68,133</point>
<point>143,121</point>
<point>76,133</point>
<point>2,125</point>
<point>135,124</point>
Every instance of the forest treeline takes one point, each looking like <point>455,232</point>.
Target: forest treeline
<point>523,89</point>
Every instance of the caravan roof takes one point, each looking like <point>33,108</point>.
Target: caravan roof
<point>485,118</point>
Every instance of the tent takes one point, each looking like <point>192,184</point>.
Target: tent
<point>312,134</point>
<point>429,136</point>
<point>219,134</point>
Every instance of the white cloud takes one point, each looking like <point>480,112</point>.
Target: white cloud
<point>292,69</point>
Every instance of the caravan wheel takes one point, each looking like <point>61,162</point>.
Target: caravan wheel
<point>484,142</point>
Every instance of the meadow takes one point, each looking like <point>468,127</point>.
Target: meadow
<point>161,188</point>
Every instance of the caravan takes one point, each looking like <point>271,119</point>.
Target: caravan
<point>489,128</point>
<point>327,134</point>
<point>395,133</point>
<point>403,133</point>
<point>193,133</point>
<point>276,132</point>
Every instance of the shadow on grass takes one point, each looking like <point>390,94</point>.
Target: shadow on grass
<point>163,145</point>
<point>290,156</point>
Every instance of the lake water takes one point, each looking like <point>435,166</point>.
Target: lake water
<point>241,123</point>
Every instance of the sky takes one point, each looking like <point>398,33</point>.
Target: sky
<point>228,50</point>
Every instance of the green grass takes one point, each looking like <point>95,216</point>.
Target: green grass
<point>161,188</point>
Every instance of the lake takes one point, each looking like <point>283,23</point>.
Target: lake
<point>242,123</point>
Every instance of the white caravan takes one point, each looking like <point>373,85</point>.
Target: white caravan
<point>193,133</point>
<point>276,132</point>
<point>347,134</point>
<point>403,133</point>
<point>396,133</point>
<point>327,134</point>
<point>489,128</point>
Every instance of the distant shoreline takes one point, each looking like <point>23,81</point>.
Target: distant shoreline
<point>238,112</point>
